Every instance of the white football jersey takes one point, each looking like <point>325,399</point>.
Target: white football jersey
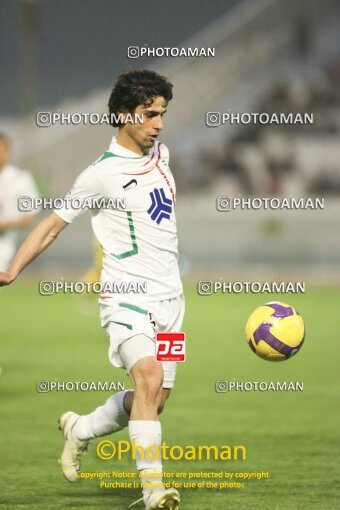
<point>139,241</point>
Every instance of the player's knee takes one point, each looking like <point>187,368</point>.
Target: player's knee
<point>150,390</point>
<point>148,381</point>
<point>153,386</point>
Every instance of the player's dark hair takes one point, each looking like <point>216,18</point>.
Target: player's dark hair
<point>134,87</point>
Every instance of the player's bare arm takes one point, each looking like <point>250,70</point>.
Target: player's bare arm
<point>41,237</point>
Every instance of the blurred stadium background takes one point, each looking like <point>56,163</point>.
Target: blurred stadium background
<point>271,55</point>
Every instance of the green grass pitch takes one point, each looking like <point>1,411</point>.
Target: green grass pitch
<point>293,435</point>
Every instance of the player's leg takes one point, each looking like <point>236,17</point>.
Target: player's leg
<point>114,414</point>
<point>78,430</point>
<point>124,351</point>
<point>169,317</point>
<point>145,428</point>
<point>110,417</point>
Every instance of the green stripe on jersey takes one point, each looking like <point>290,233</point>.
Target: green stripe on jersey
<point>129,326</point>
<point>134,250</point>
<point>133,308</point>
<point>107,154</point>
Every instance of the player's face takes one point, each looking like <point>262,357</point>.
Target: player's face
<point>4,153</point>
<point>143,135</point>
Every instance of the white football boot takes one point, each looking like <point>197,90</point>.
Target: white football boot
<point>73,448</point>
<point>160,500</point>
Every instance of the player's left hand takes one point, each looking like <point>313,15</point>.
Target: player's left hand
<point>6,279</point>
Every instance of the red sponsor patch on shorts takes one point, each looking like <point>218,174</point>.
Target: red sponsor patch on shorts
<point>170,346</point>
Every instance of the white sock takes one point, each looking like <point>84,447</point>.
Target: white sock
<point>104,420</point>
<point>147,433</point>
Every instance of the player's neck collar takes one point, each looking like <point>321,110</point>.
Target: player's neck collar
<point>118,149</point>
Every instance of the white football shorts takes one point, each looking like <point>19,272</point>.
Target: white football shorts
<point>126,318</point>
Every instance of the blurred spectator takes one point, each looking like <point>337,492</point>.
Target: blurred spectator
<point>14,183</point>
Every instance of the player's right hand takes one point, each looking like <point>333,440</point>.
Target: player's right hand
<point>6,279</point>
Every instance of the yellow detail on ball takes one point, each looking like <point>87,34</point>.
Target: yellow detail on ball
<point>275,331</point>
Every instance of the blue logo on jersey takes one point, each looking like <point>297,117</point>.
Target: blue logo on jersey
<point>161,206</point>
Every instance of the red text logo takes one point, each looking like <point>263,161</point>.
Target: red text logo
<point>170,346</point>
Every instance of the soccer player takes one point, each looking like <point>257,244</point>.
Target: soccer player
<point>14,183</point>
<point>139,245</point>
